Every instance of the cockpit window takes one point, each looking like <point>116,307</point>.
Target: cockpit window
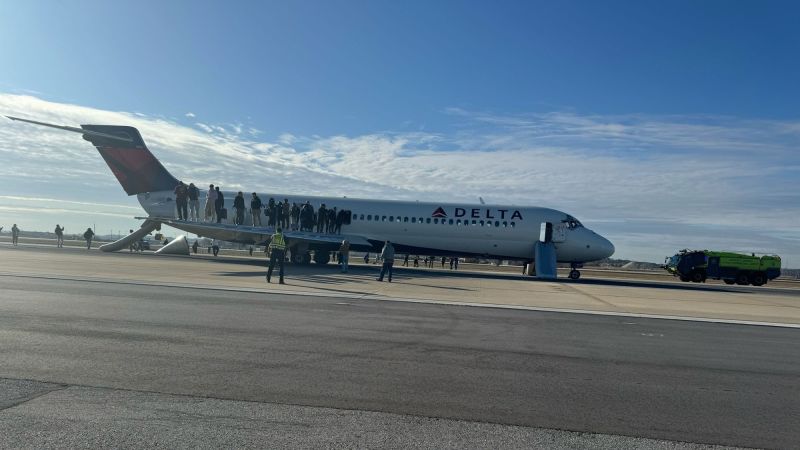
<point>572,222</point>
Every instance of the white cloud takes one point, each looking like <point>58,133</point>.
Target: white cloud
<point>653,184</point>
<point>190,115</point>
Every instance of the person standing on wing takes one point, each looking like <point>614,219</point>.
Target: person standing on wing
<point>277,247</point>
<point>211,200</point>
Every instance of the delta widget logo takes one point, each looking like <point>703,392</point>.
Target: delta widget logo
<point>439,213</point>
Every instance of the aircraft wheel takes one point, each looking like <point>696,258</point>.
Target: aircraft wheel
<point>574,274</point>
<point>322,257</point>
<point>302,258</point>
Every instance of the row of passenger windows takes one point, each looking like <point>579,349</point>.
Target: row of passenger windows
<point>435,220</point>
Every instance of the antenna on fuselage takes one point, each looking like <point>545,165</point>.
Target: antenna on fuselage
<point>481,199</point>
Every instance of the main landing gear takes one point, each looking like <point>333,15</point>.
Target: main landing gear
<point>574,274</point>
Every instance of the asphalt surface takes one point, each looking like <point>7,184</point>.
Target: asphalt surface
<point>239,369</point>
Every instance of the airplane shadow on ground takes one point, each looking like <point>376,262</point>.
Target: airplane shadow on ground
<point>329,274</point>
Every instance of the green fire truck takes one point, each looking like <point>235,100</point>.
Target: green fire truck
<point>699,265</point>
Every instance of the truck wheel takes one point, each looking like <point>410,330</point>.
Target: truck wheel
<point>727,281</point>
<point>759,279</point>
<point>685,279</point>
<point>742,279</point>
<point>697,276</point>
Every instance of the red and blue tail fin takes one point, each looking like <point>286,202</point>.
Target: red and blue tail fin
<point>136,169</point>
<point>123,149</point>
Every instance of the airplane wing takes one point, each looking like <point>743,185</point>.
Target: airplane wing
<point>256,235</point>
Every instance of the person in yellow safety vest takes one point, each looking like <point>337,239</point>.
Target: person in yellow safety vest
<point>277,247</point>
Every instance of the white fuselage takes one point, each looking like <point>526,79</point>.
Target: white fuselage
<point>497,231</point>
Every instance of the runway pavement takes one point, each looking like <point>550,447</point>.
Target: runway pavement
<point>118,363</point>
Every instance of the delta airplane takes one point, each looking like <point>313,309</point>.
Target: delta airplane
<point>426,228</point>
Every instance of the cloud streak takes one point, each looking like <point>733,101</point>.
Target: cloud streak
<point>653,184</point>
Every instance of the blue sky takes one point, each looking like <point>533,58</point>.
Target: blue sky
<point>667,123</point>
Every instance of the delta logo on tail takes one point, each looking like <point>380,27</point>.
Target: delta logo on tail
<point>439,213</point>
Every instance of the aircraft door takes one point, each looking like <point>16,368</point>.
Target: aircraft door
<point>560,232</point>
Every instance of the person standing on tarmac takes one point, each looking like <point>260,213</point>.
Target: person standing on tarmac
<point>15,235</point>
<point>387,255</point>
<point>277,247</point>
<point>255,210</point>
<point>344,255</point>
<point>88,235</point>
<point>59,236</point>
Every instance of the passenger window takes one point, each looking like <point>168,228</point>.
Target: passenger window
<point>428,220</point>
<point>383,218</point>
<point>496,223</point>
<point>481,222</point>
<point>435,220</point>
<point>369,217</point>
<point>405,219</point>
<point>505,224</point>
<point>513,224</point>
<point>391,218</point>
<point>474,222</point>
<point>488,223</point>
<point>376,218</point>
<point>458,222</point>
<point>450,221</point>
<point>413,220</point>
<point>362,217</point>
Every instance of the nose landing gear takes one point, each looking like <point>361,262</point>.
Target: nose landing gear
<point>574,274</point>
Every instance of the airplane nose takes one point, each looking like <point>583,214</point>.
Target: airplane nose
<point>605,247</point>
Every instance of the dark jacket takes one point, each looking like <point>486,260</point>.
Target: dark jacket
<point>255,203</point>
<point>238,202</point>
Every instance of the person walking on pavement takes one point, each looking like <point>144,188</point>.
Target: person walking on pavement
<point>277,247</point>
<point>387,255</point>
<point>88,235</point>
<point>405,260</point>
<point>255,210</point>
<point>238,205</point>
<point>443,261</point>
<point>211,201</point>
<point>15,235</point>
<point>219,204</point>
<point>344,255</point>
<point>455,265</point>
<point>194,202</point>
<point>215,247</point>
<point>59,236</point>
<point>181,200</point>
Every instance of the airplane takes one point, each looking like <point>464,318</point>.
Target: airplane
<point>427,228</point>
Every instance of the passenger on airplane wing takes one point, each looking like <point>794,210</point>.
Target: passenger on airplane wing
<point>277,246</point>
<point>211,200</point>
<point>287,212</point>
<point>295,211</point>
<point>219,204</point>
<point>322,217</point>
<point>271,212</point>
<point>194,202</point>
<point>340,216</point>
<point>255,210</point>
<point>387,255</point>
<point>238,205</point>
<point>88,235</point>
<point>344,255</point>
<point>14,235</point>
<point>181,194</point>
<point>59,236</point>
<point>331,226</point>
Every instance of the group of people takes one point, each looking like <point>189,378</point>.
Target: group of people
<point>281,213</point>
<point>59,232</point>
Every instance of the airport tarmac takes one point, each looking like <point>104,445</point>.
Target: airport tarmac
<point>137,350</point>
